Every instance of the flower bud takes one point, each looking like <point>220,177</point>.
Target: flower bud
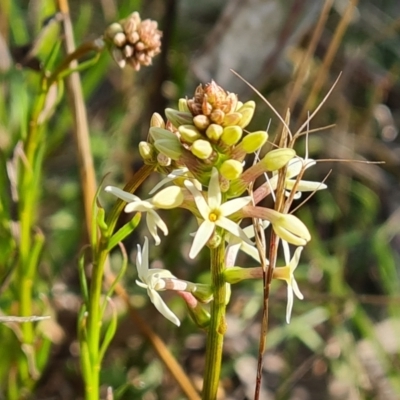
<point>214,132</point>
<point>278,158</point>
<point>239,105</point>
<point>237,274</point>
<point>163,160</point>
<point>231,169</point>
<point>182,105</point>
<point>178,118</point>
<point>202,292</point>
<point>232,119</point>
<point>189,133</point>
<point>288,227</point>
<point>201,149</point>
<point>231,135</point>
<point>119,39</point>
<point>146,151</point>
<point>200,316</point>
<point>217,116</point>
<point>112,30</point>
<point>161,133</point>
<point>247,111</point>
<point>170,147</point>
<point>157,121</point>
<point>170,197</point>
<point>254,141</point>
<point>214,241</point>
<point>201,122</point>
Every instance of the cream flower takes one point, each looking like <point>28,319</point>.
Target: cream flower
<point>152,280</point>
<point>235,244</point>
<point>167,198</point>
<point>287,274</point>
<point>214,213</point>
<point>295,166</point>
<point>176,173</point>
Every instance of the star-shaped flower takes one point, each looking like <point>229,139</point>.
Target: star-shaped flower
<point>235,244</point>
<point>287,274</point>
<point>214,213</point>
<point>295,166</point>
<point>152,280</point>
<point>167,198</point>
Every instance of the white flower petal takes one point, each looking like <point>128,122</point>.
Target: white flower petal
<point>170,177</point>
<point>142,260</point>
<point>232,206</point>
<point>294,262</point>
<point>289,236</point>
<point>153,221</point>
<point>138,205</point>
<point>141,284</point>
<point>289,305</point>
<point>286,252</point>
<point>305,186</point>
<point>294,167</point>
<point>251,251</point>
<point>162,307</point>
<point>203,234</point>
<point>128,197</point>
<point>201,204</point>
<point>214,191</point>
<point>296,290</point>
<point>233,228</point>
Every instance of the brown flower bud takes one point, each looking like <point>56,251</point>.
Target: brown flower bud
<point>137,41</point>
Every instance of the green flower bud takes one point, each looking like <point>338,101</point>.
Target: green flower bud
<point>239,105</point>
<point>201,149</point>
<point>278,158</point>
<point>232,119</point>
<point>254,141</point>
<point>214,132</point>
<point>178,118</point>
<point>161,133</point>
<point>236,274</point>
<point>231,169</point>
<point>202,292</point>
<point>214,241</point>
<point>170,197</point>
<point>172,147</point>
<point>201,121</point>
<point>146,151</point>
<point>189,133</point>
<point>247,111</point>
<point>182,105</point>
<point>232,135</point>
<point>290,228</point>
<point>200,316</point>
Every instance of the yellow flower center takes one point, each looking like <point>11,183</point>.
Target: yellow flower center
<point>283,273</point>
<point>213,216</point>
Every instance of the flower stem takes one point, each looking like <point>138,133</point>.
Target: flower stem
<point>217,326</point>
<point>92,340</point>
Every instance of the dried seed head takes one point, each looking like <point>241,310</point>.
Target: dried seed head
<point>137,41</point>
<point>211,100</point>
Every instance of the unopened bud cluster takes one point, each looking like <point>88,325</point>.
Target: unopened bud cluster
<point>133,41</point>
<point>205,131</point>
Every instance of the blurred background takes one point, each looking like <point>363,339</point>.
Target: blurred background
<point>343,341</point>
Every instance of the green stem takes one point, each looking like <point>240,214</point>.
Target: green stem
<point>94,307</point>
<point>217,328</point>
